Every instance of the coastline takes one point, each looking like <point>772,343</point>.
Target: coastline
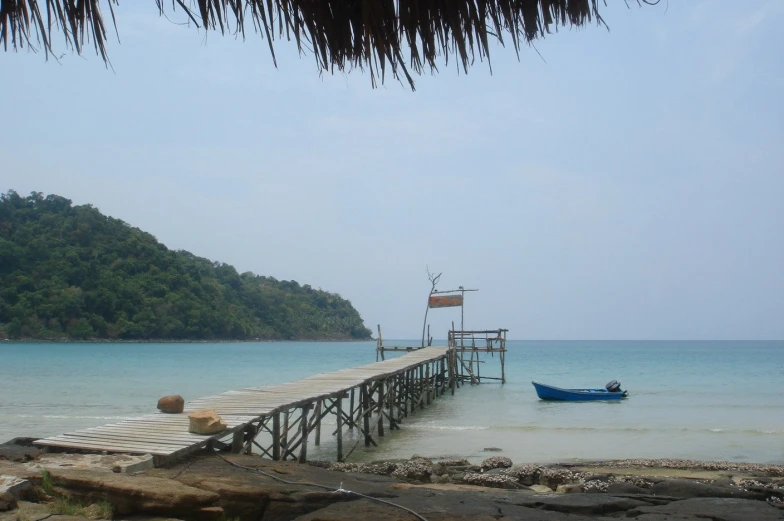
<point>158,341</point>
<point>216,486</point>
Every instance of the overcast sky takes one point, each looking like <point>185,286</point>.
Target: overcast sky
<point>624,185</point>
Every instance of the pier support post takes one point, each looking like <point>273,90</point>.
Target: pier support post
<point>422,386</point>
<point>410,390</point>
<point>317,440</point>
<point>351,409</point>
<point>284,435</point>
<point>380,406</point>
<point>452,372</point>
<point>276,436</point>
<point>365,413</point>
<point>339,409</point>
<point>303,448</point>
<point>237,442</point>
<point>427,384</point>
<point>442,377</point>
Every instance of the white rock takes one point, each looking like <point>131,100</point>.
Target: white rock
<point>205,421</point>
<point>541,489</point>
<point>569,488</point>
<point>13,488</point>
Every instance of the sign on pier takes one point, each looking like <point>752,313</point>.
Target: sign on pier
<point>445,301</point>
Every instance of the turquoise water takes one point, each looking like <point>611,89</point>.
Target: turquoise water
<point>696,400</point>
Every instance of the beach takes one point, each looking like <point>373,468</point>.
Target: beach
<point>212,486</point>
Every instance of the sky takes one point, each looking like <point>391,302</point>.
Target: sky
<point>621,184</point>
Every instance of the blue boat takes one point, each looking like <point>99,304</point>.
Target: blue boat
<point>612,391</point>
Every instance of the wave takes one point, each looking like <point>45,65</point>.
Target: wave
<point>449,427</point>
<point>635,430</point>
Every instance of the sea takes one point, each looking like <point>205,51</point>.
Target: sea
<point>699,400</point>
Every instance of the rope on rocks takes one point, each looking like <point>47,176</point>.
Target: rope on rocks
<point>339,490</point>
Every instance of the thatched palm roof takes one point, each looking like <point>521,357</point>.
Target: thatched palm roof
<point>399,36</point>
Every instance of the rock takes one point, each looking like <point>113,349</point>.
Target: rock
<point>496,462</point>
<point>19,449</point>
<point>134,493</point>
<point>242,500</point>
<point>33,511</point>
<point>249,495</point>
<point>124,463</point>
<point>210,514</point>
<point>443,478</point>
<point>14,489</point>
<point>174,404</point>
<point>21,441</point>
<point>723,481</point>
<point>414,470</point>
<point>7,505</point>
<point>719,509</point>
<point>621,487</point>
<point>205,421</point>
<point>541,489</point>
<point>684,488</point>
<point>492,480</point>
<point>569,488</point>
<point>438,469</point>
<point>585,504</point>
<point>552,477</point>
<point>455,462</point>
<point>382,469</point>
<point>526,474</point>
<point>595,486</point>
<point>362,509</point>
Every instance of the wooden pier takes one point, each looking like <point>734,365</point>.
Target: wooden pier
<point>470,344</point>
<point>282,420</point>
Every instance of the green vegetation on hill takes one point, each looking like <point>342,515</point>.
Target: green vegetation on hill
<point>71,272</point>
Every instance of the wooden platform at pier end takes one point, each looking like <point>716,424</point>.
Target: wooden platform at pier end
<point>387,390</point>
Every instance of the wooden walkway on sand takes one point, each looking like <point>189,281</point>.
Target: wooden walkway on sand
<point>284,415</point>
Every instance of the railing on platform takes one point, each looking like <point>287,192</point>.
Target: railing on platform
<point>470,344</point>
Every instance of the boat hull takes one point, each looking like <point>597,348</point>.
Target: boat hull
<point>549,392</point>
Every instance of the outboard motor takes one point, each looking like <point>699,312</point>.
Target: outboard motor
<point>613,386</point>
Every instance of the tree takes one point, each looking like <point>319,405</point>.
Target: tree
<point>71,272</point>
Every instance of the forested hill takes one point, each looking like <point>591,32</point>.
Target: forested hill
<point>70,272</point>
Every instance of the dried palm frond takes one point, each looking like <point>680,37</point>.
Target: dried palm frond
<point>339,33</point>
<point>76,20</point>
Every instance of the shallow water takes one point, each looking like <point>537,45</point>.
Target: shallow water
<point>695,400</point>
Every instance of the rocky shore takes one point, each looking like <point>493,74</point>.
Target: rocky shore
<point>72,487</point>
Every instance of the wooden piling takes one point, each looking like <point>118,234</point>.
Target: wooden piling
<point>237,442</point>
<point>365,400</point>
<point>351,410</point>
<point>317,438</point>
<point>380,406</point>
<point>303,447</point>
<point>422,384</point>
<point>276,436</point>
<point>427,383</point>
<point>284,436</point>
<point>339,413</point>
